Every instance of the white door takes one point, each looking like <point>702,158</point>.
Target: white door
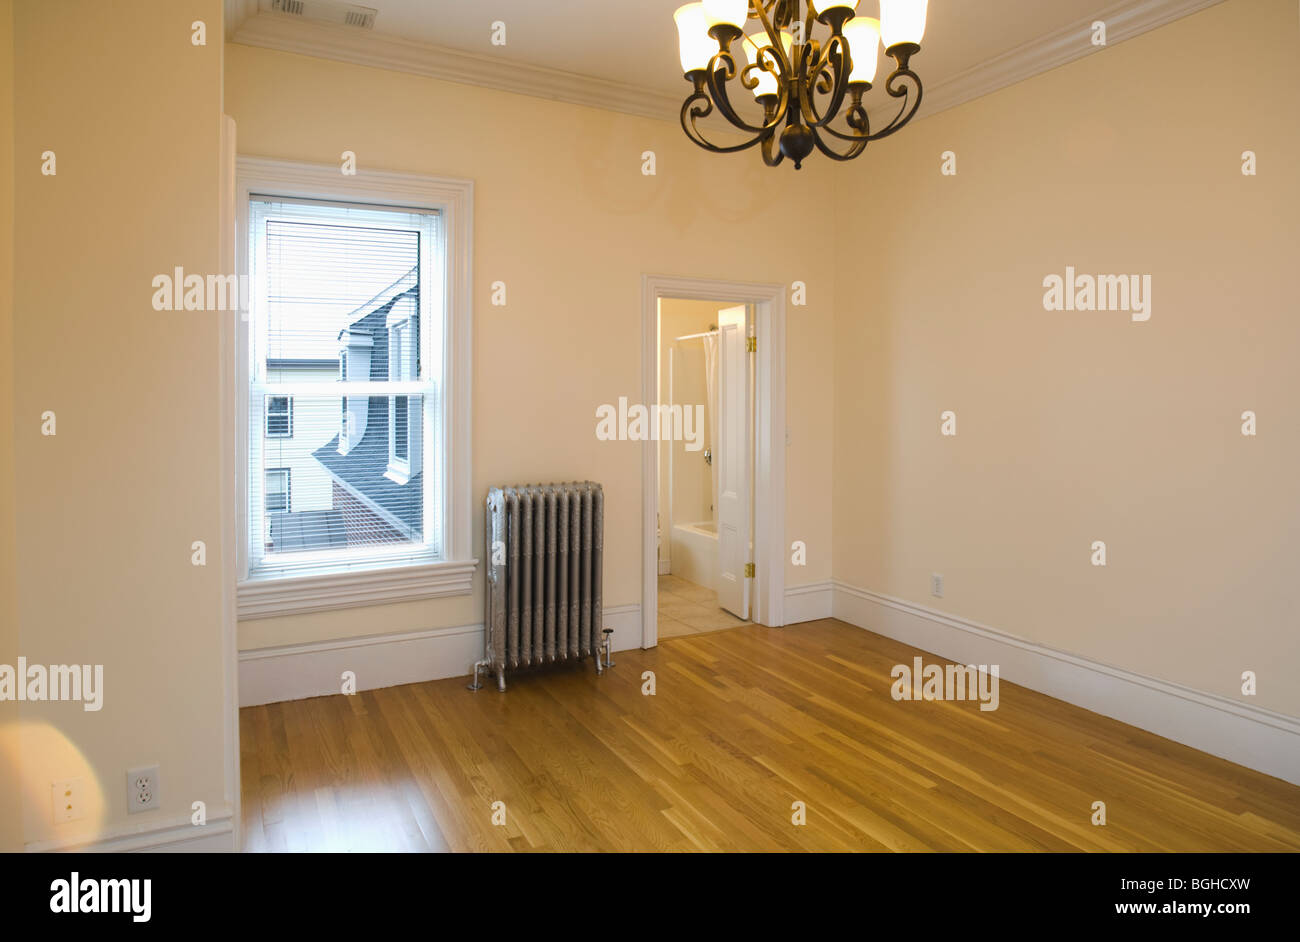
<point>733,451</point>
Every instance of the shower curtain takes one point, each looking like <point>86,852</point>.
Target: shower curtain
<point>711,389</point>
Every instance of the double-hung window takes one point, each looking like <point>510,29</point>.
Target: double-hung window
<point>355,394</point>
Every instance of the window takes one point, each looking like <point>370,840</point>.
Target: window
<point>346,283</point>
<point>354,377</point>
<point>277,490</point>
<point>279,417</point>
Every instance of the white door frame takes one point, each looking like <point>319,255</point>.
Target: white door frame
<point>768,597</point>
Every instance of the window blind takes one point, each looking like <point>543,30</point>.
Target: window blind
<point>345,425</point>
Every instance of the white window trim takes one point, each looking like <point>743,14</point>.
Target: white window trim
<point>454,573</point>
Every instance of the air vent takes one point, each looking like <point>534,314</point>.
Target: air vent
<point>325,11</point>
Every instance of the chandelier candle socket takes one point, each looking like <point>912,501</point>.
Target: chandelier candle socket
<point>803,83</point>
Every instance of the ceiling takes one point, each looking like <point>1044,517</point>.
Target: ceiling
<point>634,42</point>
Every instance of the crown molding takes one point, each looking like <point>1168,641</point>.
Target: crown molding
<point>395,53</point>
<point>247,26</point>
<point>234,13</point>
<point>1124,20</point>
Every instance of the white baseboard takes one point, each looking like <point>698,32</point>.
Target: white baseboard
<point>1239,732</point>
<point>175,834</point>
<point>808,602</point>
<point>665,567</point>
<point>297,671</point>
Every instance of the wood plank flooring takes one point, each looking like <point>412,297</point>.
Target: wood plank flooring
<point>745,721</point>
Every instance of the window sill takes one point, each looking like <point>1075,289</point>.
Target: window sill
<point>297,595</point>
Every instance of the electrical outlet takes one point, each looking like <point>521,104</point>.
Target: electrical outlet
<point>66,797</point>
<point>936,584</point>
<point>142,789</point>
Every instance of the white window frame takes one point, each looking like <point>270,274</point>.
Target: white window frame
<point>402,577</point>
<point>288,414</point>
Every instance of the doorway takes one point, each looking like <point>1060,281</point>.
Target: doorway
<point>705,507</point>
<point>713,494</point>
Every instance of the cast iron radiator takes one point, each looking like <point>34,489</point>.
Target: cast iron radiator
<point>544,545</point>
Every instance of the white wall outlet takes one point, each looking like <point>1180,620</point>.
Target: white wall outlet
<point>67,800</point>
<point>936,584</point>
<point>142,789</point>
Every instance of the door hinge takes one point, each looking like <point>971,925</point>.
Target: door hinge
<point>749,570</point>
<point>751,345</point>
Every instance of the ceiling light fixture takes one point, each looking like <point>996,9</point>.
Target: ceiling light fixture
<point>800,82</point>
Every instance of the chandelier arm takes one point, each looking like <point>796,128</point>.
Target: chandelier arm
<point>857,119</point>
<point>772,155</point>
<point>905,112</point>
<point>718,92</point>
<point>839,85</point>
<point>773,36</point>
<point>697,136</point>
<point>859,145</point>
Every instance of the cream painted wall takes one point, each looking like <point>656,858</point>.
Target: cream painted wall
<point>10,804</point>
<point>565,217</point>
<point>112,502</point>
<point>1075,426</point>
<point>685,483</point>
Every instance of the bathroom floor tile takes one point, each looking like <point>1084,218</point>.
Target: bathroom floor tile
<point>695,593</point>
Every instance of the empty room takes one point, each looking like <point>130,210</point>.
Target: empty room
<point>625,426</point>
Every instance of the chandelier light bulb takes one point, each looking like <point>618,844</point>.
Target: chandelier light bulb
<point>863,34</point>
<point>727,12</point>
<point>694,45</point>
<point>902,22</point>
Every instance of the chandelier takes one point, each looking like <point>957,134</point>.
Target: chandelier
<point>799,81</point>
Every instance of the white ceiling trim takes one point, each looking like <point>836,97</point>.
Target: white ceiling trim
<point>1124,20</point>
<point>235,12</point>
<point>380,51</point>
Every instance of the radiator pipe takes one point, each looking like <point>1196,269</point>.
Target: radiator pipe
<point>478,666</point>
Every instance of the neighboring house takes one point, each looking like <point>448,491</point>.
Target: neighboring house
<point>299,504</point>
<point>347,471</point>
<point>375,461</point>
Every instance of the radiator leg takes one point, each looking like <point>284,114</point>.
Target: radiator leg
<point>478,666</point>
<point>501,679</point>
<point>609,646</point>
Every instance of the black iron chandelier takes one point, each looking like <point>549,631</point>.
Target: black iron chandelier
<point>800,82</point>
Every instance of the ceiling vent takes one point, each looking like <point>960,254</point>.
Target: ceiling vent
<point>325,11</point>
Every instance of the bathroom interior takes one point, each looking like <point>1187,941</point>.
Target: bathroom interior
<point>688,533</point>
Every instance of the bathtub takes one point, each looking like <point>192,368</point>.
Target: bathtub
<point>694,552</point>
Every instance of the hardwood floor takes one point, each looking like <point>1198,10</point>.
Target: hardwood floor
<point>744,722</point>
